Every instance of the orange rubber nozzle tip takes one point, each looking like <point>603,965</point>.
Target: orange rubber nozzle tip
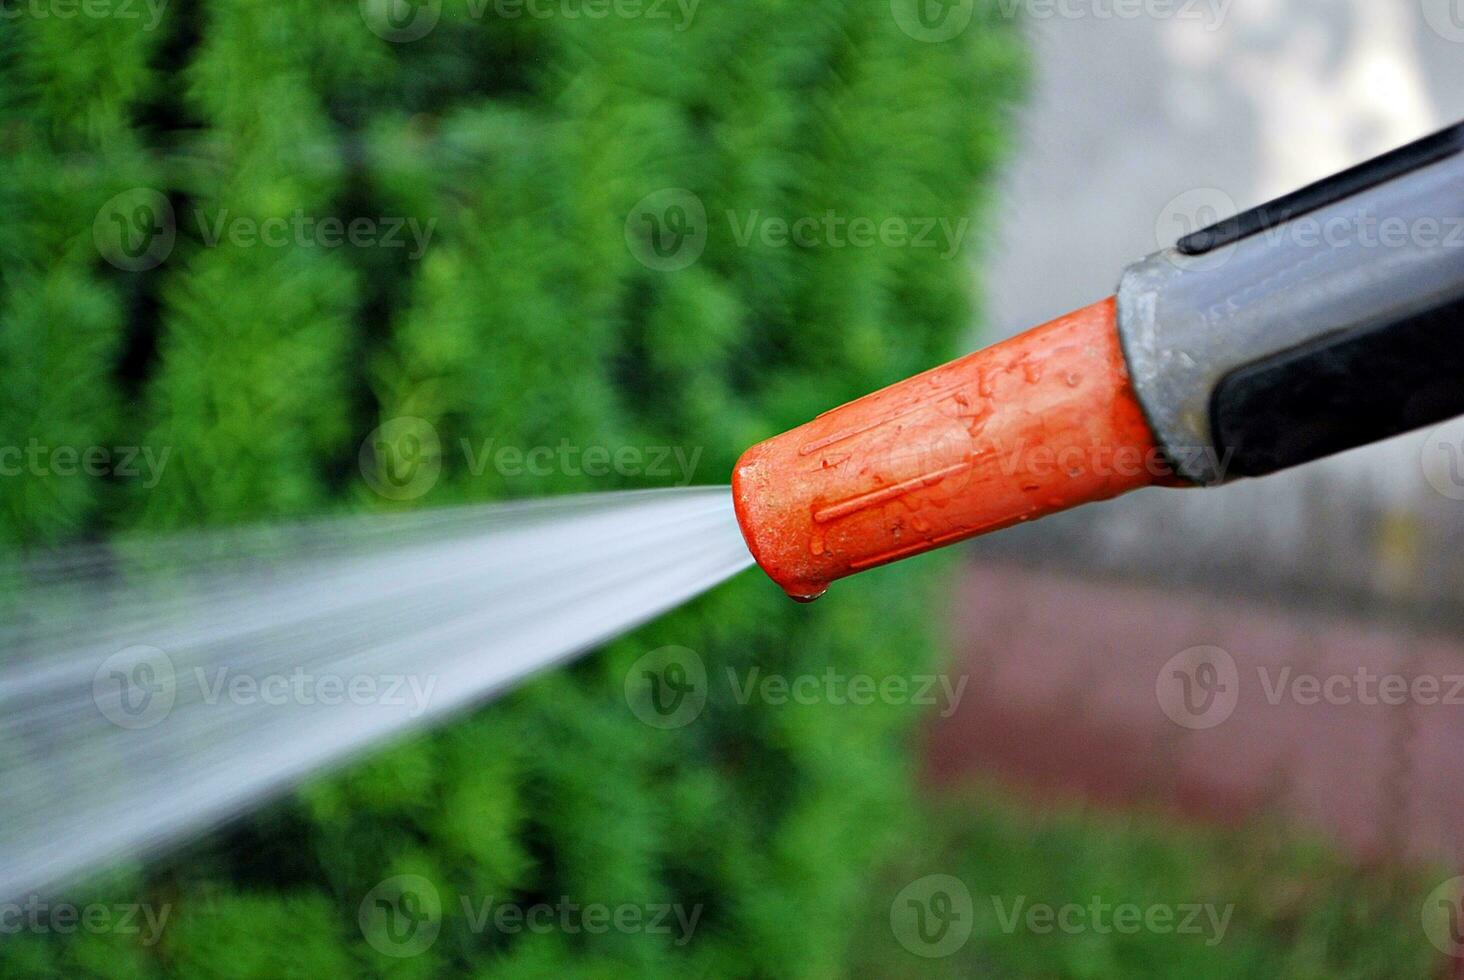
<point>1036,424</point>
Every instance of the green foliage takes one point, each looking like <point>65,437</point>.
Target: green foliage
<point>1290,908</point>
<point>524,144</point>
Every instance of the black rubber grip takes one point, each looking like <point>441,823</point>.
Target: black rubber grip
<point>1341,392</point>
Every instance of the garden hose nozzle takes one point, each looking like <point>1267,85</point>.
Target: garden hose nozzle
<point>1324,321</point>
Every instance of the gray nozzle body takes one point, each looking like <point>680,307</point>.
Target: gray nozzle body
<point>1321,322</point>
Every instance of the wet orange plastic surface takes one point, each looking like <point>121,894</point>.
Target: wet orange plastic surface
<point>1039,423</point>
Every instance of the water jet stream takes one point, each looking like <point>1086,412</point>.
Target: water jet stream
<point>151,688</point>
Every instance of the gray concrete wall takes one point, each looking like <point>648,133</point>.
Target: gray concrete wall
<point>1138,124</point>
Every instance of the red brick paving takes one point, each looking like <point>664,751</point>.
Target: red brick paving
<point>1062,698</point>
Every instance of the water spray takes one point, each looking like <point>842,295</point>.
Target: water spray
<point>153,688</point>
<point>1321,322</point>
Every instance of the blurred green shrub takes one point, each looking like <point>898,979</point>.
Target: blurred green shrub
<point>1253,900</point>
<point>674,225</point>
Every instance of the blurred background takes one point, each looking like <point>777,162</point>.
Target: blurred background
<point>1088,634</point>
<point>240,240</point>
